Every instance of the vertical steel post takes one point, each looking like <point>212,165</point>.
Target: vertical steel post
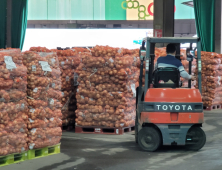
<point>168,18</point>
<point>199,66</point>
<point>152,56</point>
<point>190,72</point>
<point>147,64</point>
<point>164,18</point>
<point>178,51</point>
<point>218,26</point>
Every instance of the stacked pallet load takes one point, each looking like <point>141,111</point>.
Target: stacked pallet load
<point>68,62</point>
<point>44,94</point>
<point>106,91</point>
<point>13,103</point>
<point>211,79</point>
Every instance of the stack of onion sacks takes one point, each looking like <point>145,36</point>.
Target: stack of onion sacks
<point>13,103</point>
<point>68,61</point>
<point>106,91</point>
<point>44,95</point>
<point>211,78</point>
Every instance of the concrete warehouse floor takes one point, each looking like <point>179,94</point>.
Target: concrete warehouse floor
<point>106,152</point>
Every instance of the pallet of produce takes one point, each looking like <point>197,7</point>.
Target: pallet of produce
<point>68,62</point>
<point>13,104</point>
<point>44,95</point>
<point>107,88</point>
<point>211,80</point>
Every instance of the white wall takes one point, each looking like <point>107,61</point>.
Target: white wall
<point>52,38</point>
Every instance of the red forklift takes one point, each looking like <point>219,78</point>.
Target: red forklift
<point>166,113</point>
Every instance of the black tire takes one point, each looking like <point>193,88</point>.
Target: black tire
<point>136,129</point>
<point>195,139</point>
<point>149,139</point>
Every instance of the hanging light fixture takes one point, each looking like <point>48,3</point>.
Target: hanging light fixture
<point>188,3</point>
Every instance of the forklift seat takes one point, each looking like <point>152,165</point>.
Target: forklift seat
<point>168,77</point>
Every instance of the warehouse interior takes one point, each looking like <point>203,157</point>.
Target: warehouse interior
<point>72,74</point>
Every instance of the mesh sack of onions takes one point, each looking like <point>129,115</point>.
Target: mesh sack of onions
<point>12,142</point>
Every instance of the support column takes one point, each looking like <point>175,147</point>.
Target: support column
<point>163,18</point>
<point>218,26</point>
<point>8,26</point>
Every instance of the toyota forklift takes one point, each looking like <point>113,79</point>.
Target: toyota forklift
<point>166,113</point>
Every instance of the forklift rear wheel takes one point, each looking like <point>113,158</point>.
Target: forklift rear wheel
<point>149,139</point>
<point>195,139</point>
<point>136,130</point>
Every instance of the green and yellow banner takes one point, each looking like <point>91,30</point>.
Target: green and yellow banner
<point>100,10</point>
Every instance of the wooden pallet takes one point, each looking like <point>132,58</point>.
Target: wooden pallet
<point>42,152</point>
<point>213,107</point>
<point>13,158</point>
<point>103,130</point>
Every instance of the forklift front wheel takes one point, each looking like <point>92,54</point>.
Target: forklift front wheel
<point>149,139</point>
